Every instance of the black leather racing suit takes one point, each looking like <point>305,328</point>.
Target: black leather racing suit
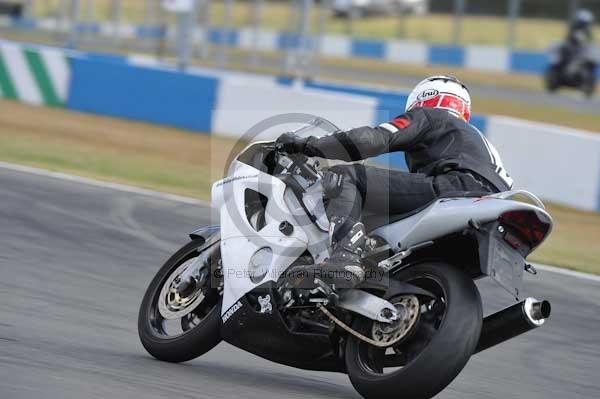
<point>580,34</point>
<point>578,39</point>
<point>444,154</point>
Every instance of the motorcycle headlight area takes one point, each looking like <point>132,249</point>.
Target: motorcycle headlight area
<point>259,264</point>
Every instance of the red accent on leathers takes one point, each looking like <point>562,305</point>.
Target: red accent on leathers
<point>401,123</point>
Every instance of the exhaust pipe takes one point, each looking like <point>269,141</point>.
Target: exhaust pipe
<point>512,321</point>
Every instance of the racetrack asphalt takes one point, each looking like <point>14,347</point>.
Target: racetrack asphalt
<point>75,261</point>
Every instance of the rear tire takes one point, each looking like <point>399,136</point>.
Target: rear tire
<point>435,363</point>
<point>552,79</point>
<point>589,80</point>
<point>192,343</point>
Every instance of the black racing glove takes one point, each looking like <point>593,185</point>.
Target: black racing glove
<point>291,143</point>
<point>332,183</point>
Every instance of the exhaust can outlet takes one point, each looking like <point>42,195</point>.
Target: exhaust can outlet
<point>512,322</point>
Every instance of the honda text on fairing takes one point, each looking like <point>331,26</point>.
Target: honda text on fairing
<point>407,330</point>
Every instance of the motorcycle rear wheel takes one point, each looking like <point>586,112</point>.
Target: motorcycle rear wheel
<point>426,362</point>
<point>588,85</point>
<point>199,329</point>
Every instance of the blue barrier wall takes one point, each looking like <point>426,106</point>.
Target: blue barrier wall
<point>227,37</point>
<point>528,62</point>
<point>106,57</point>
<point>149,31</point>
<point>24,23</point>
<point>367,48</point>
<point>288,40</point>
<point>447,55</point>
<point>149,95</point>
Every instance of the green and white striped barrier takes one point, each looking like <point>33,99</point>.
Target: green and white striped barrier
<point>38,76</point>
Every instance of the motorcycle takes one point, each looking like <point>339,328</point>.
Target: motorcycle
<point>406,331</point>
<point>572,67</point>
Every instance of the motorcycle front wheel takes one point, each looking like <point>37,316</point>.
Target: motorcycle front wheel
<point>443,340</point>
<point>176,325</point>
<point>552,78</point>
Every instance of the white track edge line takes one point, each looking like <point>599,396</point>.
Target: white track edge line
<point>194,201</point>
<point>103,184</point>
<point>568,272</point>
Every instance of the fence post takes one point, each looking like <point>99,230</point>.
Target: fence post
<point>73,25</point>
<point>90,11</point>
<point>352,16</point>
<point>148,13</point>
<point>185,28</point>
<point>574,5</point>
<point>325,11</point>
<point>401,26</point>
<point>203,17</point>
<point>62,20</point>
<point>305,45</point>
<point>28,9</point>
<point>257,17</point>
<point>224,32</point>
<point>116,13</point>
<point>292,29</point>
<point>459,12</point>
<point>148,23</point>
<point>514,9</point>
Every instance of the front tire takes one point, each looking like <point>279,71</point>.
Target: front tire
<point>552,78</point>
<point>444,339</point>
<point>199,330</point>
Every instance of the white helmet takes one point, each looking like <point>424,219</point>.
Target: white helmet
<point>445,92</point>
<point>584,16</point>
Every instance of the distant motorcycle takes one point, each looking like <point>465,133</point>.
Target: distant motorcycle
<point>406,331</point>
<point>572,67</point>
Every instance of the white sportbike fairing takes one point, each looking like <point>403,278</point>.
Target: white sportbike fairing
<point>255,254</point>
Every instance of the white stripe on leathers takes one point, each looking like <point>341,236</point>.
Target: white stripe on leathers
<point>389,127</point>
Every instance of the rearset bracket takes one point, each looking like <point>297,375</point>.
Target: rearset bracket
<point>391,263</point>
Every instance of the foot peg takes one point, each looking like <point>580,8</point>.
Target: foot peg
<point>332,296</point>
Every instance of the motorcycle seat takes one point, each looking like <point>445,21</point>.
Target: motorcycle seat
<point>374,221</point>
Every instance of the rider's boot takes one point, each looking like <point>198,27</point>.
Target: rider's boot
<point>343,269</point>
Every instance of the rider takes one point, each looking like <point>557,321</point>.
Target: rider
<point>445,155</point>
<point>579,35</point>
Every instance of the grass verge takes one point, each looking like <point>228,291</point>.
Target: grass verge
<point>151,156</point>
<point>181,162</point>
